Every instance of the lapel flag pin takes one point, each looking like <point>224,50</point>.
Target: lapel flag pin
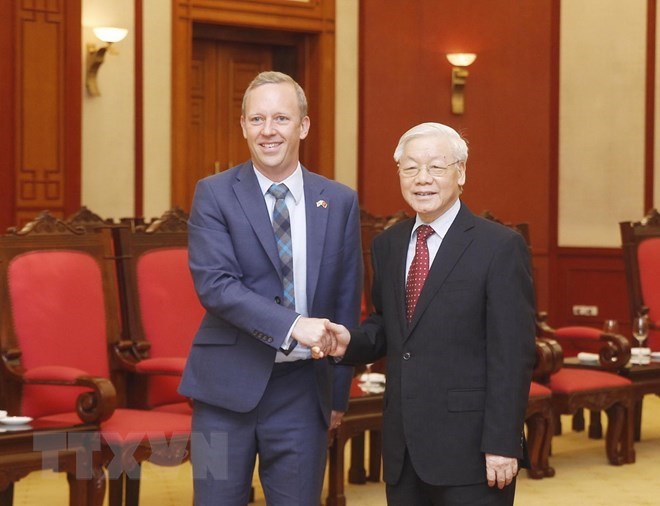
<point>321,203</point>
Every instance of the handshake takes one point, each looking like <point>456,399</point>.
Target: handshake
<point>322,336</point>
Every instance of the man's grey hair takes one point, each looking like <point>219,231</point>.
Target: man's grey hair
<point>457,143</point>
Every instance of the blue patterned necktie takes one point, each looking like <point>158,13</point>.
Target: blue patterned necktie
<point>282,229</point>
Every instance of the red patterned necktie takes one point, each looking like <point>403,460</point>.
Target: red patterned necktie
<point>419,269</point>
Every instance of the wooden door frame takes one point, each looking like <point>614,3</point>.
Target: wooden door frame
<point>314,19</point>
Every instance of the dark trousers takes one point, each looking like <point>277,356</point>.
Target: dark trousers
<point>286,430</point>
<point>410,490</point>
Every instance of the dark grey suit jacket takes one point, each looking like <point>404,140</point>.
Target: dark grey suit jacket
<point>458,376</point>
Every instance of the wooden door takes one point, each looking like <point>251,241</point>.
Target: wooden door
<point>40,109</point>
<point>221,71</point>
<point>300,36</point>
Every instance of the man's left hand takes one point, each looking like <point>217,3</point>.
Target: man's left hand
<point>500,470</point>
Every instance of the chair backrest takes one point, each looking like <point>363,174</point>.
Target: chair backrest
<point>640,241</point>
<point>88,220</point>
<point>521,228</point>
<point>59,306</point>
<point>370,226</point>
<point>159,304</point>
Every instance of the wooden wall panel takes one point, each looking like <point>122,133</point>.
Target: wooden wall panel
<point>44,140</point>
<point>541,269</point>
<point>405,80</point>
<point>592,277</point>
<point>510,106</point>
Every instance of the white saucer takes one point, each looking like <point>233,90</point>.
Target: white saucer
<point>588,358</point>
<point>15,420</point>
<point>14,428</point>
<point>3,413</point>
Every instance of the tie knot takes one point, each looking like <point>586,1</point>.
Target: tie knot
<point>278,191</point>
<point>424,232</point>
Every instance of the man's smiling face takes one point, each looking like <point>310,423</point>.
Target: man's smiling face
<point>429,196</point>
<point>273,128</point>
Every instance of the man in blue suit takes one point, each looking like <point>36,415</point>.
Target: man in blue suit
<point>274,253</point>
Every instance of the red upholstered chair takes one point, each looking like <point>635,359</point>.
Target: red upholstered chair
<point>641,253</point>
<point>613,352</point>
<point>160,309</point>
<point>640,241</point>
<point>574,389</point>
<point>59,316</point>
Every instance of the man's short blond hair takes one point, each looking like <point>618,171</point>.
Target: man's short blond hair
<point>274,77</point>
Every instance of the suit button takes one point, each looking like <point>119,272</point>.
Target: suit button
<point>278,300</point>
<point>406,356</point>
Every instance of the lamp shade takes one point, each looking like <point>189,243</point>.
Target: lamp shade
<point>461,59</point>
<point>110,34</point>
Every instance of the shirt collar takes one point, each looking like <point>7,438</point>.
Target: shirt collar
<point>294,183</point>
<point>442,223</point>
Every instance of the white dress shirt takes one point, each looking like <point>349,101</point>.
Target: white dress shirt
<point>440,226</point>
<point>295,202</point>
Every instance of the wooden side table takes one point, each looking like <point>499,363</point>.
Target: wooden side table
<point>365,412</point>
<point>42,445</point>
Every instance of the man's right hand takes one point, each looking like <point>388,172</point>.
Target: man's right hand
<point>312,332</point>
<point>341,337</point>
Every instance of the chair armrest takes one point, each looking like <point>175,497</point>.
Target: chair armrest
<point>613,349</point>
<point>615,353</point>
<point>549,359</point>
<point>543,329</point>
<point>170,366</point>
<point>130,353</point>
<point>133,356</point>
<point>94,406</point>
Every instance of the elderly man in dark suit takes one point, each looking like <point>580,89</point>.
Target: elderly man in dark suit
<point>274,252</point>
<point>454,315</point>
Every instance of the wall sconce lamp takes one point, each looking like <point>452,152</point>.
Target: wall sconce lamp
<point>458,76</point>
<point>95,56</point>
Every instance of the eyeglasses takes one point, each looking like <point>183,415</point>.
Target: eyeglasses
<point>434,170</point>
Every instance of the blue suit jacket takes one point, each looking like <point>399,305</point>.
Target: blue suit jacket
<point>235,268</point>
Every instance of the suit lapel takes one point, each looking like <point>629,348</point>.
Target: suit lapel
<point>453,246</point>
<point>251,200</point>
<point>316,217</point>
